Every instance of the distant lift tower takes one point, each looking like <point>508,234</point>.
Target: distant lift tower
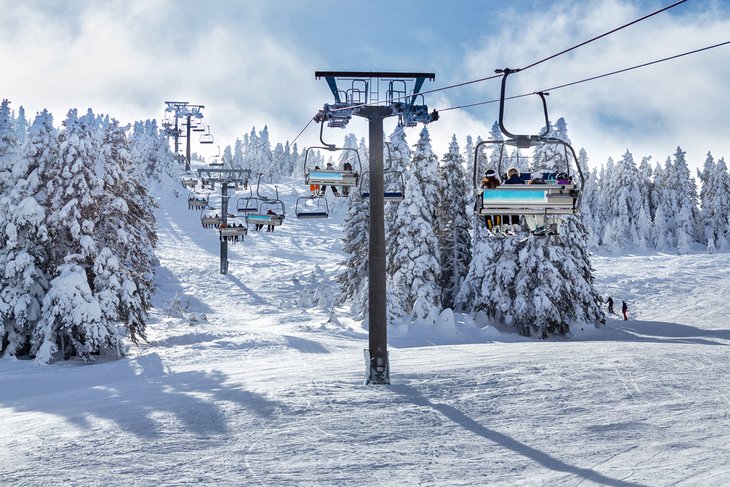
<point>227,178</point>
<point>175,111</point>
<point>359,94</point>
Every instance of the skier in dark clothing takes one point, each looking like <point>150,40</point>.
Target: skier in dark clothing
<point>624,310</point>
<point>610,305</point>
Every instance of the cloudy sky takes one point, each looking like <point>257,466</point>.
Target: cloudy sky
<point>252,63</point>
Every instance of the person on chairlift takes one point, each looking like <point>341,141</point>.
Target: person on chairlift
<point>513,176</point>
<point>314,188</point>
<point>270,228</point>
<point>334,188</point>
<point>346,189</point>
<point>490,181</point>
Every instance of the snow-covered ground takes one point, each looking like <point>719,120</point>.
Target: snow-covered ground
<point>242,385</point>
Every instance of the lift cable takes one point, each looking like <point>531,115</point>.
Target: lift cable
<point>572,83</point>
<point>565,51</point>
<point>287,147</point>
<point>602,35</point>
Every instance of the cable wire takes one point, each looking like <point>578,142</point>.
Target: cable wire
<point>553,56</point>
<point>584,80</point>
<point>287,147</point>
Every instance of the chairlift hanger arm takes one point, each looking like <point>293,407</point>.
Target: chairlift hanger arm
<point>523,141</point>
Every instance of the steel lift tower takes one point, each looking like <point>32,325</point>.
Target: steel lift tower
<point>359,94</point>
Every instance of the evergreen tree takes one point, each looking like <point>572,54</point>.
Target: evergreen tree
<point>454,223</point>
<point>21,126</point>
<point>8,147</point>
<point>353,279</point>
<point>24,242</point>
<point>414,285</point>
<point>715,199</point>
<point>684,191</point>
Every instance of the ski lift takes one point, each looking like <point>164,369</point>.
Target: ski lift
<point>197,201</point>
<point>544,196</point>
<point>247,205</point>
<point>393,182</point>
<point>188,181</point>
<point>332,177</point>
<point>210,217</point>
<point>234,229</point>
<point>197,126</point>
<point>312,207</point>
<point>207,137</point>
<point>271,211</point>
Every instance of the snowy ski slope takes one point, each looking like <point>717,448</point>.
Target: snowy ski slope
<point>264,391</point>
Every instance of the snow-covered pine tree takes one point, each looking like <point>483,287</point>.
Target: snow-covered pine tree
<point>24,243</point>
<point>487,288</point>
<point>266,157</point>
<point>123,275</point>
<point>624,204</point>
<point>8,147</point>
<point>397,161</point>
<point>468,158</point>
<point>353,279</point>
<point>663,208</point>
<point>72,319</point>
<point>21,126</point>
<point>684,190</point>
<point>414,284</point>
<point>71,312</point>
<point>715,199</point>
<point>454,223</point>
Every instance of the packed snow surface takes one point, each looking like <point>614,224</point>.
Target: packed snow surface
<point>242,384</point>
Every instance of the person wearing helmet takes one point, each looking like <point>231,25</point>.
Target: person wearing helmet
<point>490,180</point>
<point>563,178</point>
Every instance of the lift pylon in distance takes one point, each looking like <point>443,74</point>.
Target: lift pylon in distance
<point>358,94</point>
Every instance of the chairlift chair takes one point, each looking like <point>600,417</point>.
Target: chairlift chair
<point>197,201</point>
<point>262,216</point>
<point>332,177</point>
<point>312,207</point>
<point>210,217</point>
<point>188,181</point>
<point>547,198</point>
<point>393,182</point>
<point>234,229</point>
<point>247,205</point>
<point>207,137</point>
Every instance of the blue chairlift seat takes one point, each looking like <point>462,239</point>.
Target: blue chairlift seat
<point>329,177</point>
<point>529,199</point>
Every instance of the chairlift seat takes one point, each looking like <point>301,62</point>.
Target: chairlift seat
<point>329,177</point>
<point>264,219</point>
<point>233,230</point>
<point>388,196</point>
<point>188,182</point>
<point>312,207</point>
<point>210,218</point>
<point>197,201</point>
<point>529,199</point>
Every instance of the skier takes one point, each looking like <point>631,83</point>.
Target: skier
<point>610,305</point>
<point>624,310</point>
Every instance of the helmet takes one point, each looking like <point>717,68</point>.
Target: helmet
<point>491,173</point>
<point>561,175</point>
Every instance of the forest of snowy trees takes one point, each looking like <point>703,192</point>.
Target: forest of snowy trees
<point>78,232</point>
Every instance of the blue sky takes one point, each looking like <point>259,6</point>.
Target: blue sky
<point>253,62</point>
